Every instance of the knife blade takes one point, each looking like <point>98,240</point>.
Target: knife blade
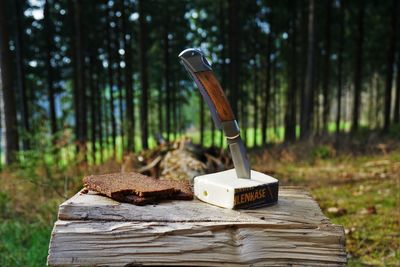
<point>201,72</point>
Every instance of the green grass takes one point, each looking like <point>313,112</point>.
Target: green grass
<point>23,243</point>
<point>367,188</point>
<point>28,209</point>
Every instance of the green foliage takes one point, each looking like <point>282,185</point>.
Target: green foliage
<point>394,130</point>
<point>365,192</point>
<point>5,205</point>
<point>23,244</point>
<point>322,152</point>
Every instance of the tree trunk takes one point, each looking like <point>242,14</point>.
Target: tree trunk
<point>327,68</point>
<point>111,83</point>
<point>99,102</point>
<point>275,99</point>
<point>80,90</point>
<point>264,122</point>
<point>201,102</point>
<point>175,105</point>
<point>93,104</point>
<point>167,74</point>
<point>129,99</point>
<point>7,97</point>
<point>396,118</point>
<point>339,66</point>
<point>389,67</point>
<point>255,88</point>
<point>358,67</point>
<point>117,34</point>
<point>308,96</point>
<point>49,68</point>
<point>143,76</point>
<point>290,112</point>
<point>21,83</point>
<point>255,99</point>
<point>223,58</point>
<point>233,55</point>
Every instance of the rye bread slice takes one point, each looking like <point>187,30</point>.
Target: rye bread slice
<point>185,190</point>
<point>136,188</point>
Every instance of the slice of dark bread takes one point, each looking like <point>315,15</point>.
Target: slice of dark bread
<point>136,188</point>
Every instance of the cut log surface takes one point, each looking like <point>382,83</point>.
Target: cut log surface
<point>93,230</point>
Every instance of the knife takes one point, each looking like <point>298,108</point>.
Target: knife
<point>201,72</point>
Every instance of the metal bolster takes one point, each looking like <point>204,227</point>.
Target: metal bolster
<point>231,129</point>
<point>195,60</point>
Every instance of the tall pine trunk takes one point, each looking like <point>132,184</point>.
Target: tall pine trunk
<point>111,83</point>
<point>389,66</point>
<point>143,77</point>
<point>307,97</point>
<point>396,118</point>
<point>233,56</point>
<point>223,57</point>
<point>340,66</point>
<point>327,68</point>
<point>255,100</point>
<point>167,74</point>
<point>99,102</point>
<point>49,68</point>
<point>93,104</point>
<point>358,67</point>
<point>267,91</point>
<point>201,103</point>
<point>80,81</point>
<point>117,46</point>
<point>7,97</point>
<point>290,113</point>
<point>21,82</point>
<point>129,93</point>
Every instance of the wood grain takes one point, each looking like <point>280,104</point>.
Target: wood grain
<point>96,231</point>
<point>216,94</point>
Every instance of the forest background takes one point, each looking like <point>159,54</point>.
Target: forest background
<point>88,85</point>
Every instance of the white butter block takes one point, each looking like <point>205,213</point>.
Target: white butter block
<point>225,190</point>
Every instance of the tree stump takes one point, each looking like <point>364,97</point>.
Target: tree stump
<point>93,230</point>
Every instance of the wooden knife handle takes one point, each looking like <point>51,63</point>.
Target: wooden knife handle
<point>200,70</point>
<point>216,94</point>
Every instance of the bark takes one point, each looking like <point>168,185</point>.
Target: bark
<point>340,65</point>
<point>255,90</point>
<point>175,106</point>
<point>80,85</point>
<point>129,99</point>
<point>389,67</point>
<point>167,74</point>
<point>111,84</point>
<point>93,104</point>
<point>160,104</point>
<point>7,97</point>
<point>290,111</point>
<point>201,120</point>
<point>223,57</point>
<point>49,68</point>
<point>264,122</point>
<point>308,96</point>
<point>99,103</point>
<point>21,82</point>
<point>327,67</point>
<point>358,67</point>
<point>72,45</point>
<point>233,55</point>
<point>396,118</point>
<point>143,76</point>
<point>117,38</point>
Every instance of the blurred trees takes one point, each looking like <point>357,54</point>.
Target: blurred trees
<point>107,71</point>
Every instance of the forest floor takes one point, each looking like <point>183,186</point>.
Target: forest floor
<point>356,185</point>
